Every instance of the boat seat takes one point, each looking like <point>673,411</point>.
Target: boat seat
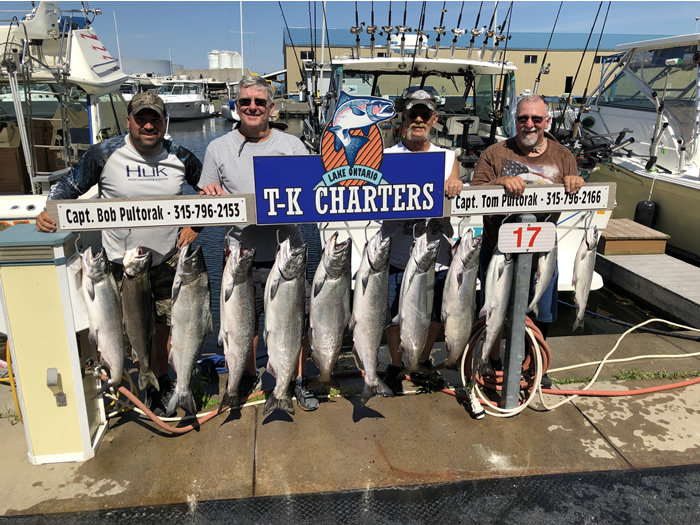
<point>455,127</point>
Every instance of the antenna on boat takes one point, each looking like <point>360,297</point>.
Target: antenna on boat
<point>440,30</point>
<point>545,69</point>
<point>388,29</point>
<point>116,32</point>
<point>474,32</point>
<point>488,32</point>
<point>371,29</point>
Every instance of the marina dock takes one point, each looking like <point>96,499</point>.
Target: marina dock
<point>416,458</point>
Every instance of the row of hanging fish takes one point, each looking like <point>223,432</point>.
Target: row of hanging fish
<point>129,309</point>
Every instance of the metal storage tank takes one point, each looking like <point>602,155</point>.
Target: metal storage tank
<point>225,60</point>
<point>213,57</point>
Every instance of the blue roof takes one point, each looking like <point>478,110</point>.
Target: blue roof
<point>524,41</point>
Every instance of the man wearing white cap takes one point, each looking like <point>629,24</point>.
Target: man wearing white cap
<point>139,164</point>
<point>419,116</point>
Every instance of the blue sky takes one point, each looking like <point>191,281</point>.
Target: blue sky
<point>188,30</point>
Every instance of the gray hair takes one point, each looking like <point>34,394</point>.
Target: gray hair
<point>531,99</point>
<point>258,83</point>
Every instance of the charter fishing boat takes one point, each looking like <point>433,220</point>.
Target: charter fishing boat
<point>186,99</point>
<point>60,95</point>
<point>651,95</point>
<point>472,86</point>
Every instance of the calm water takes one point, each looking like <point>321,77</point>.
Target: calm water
<point>196,135</point>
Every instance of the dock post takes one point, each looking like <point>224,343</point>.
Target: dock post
<point>515,328</point>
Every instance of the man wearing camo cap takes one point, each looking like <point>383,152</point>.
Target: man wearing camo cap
<point>418,118</point>
<point>141,163</point>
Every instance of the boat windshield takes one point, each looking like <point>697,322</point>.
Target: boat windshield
<point>179,89</point>
<point>453,93</point>
<point>647,71</point>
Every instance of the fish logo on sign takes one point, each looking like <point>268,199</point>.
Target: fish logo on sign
<point>351,146</point>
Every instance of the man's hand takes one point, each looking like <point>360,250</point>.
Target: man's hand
<point>573,183</point>
<point>212,189</point>
<point>453,187</point>
<point>513,185</point>
<point>44,223</point>
<point>187,236</point>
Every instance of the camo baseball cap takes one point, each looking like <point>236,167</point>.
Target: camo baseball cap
<point>420,96</point>
<point>147,100</point>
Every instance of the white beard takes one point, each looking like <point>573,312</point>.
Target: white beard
<point>528,139</point>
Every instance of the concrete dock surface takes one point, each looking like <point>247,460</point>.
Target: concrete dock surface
<point>416,446</point>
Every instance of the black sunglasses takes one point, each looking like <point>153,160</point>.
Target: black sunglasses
<point>245,102</point>
<point>522,119</point>
<point>424,113</point>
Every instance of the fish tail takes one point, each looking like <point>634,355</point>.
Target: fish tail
<point>147,376</point>
<point>447,364</point>
<point>578,323</point>
<point>232,401</point>
<point>283,403</point>
<point>370,391</point>
<point>182,400</point>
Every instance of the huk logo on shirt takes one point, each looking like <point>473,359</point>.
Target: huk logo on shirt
<point>144,171</point>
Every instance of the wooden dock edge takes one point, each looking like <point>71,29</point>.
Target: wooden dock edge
<point>676,307</point>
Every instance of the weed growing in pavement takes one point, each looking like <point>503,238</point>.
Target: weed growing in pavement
<point>10,415</point>
<point>636,374</point>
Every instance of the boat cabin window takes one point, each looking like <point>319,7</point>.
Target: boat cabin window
<point>113,111</point>
<point>646,72</point>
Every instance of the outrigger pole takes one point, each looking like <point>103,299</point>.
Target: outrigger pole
<point>457,31</point>
<point>545,69</point>
<point>476,31</point>
<point>581,108</point>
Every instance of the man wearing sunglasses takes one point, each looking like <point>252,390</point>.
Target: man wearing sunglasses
<point>140,164</point>
<point>228,169</point>
<point>418,118</point>
<point>528,158</point>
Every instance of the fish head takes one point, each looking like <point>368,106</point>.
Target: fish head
<point>356,113</point>
<point>592,236</point>
<point>424,253</point>
<point>190,262</point>
<point>378,250</point>
<point>336,256</point>
<point>137,261</point>
<point>243,259</point>
<point>290,262</point>
<point>95,266</point>
<point>469,248</point>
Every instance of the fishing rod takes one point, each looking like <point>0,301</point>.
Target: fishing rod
<point>476,31</point>
<point>499,37</point>
<point>489,32</point>
<point>568,98</point>
<point>402,29</point>
<point>418,48</point>
<point>545,69</point>
<point>497,115</point>
<point>371,29</point>
<point>440,30</point>
<point>457,32</point>
<point>582,108</point>
<point>356,30</point>
<point>388,29</point>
